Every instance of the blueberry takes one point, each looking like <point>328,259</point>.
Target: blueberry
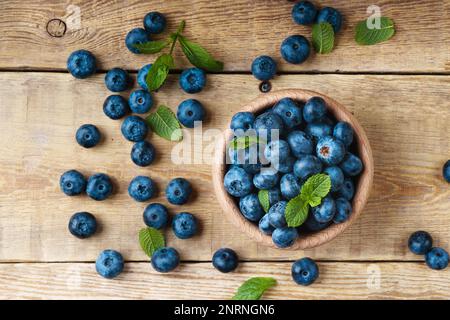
<point>99,186</point>
<point>238,182</point>
<point>225,260</point>
<point>284,237</point>
<point>304,13</point>
<point>325,211</point>
<point>142,76</point>
<point>184,225</point>
<point>143,153</point>
<point>115,107</point>
<point>420,242</point>
<point>248,158</point>
<point>165,259</point>
<point>277,151</point>
<point>136,36</point>
<point>300,143</point>
<point>88,136</point>
<point>286,166</point>
<point>330,150</point>
<point>290,186</point>
<point>178,191</point>
<point>109,264</point>
<point>295,49</point>
<point>267,124</point>
<point>304,271</point>
<point>192,80</point>
<point>337,177</point>
<point>351,165</point>
<point>140,101</point>
<point>307,166</point>
<point>81,64</point>
<point>347,190</point>
<point>266,179</point>
<point>134,128</point>
<point>314,110</point>
<point>189,111</point>
<point>154,22</point>
<point>265,226</point>
<point>343,210</point>
<point>82,225</point>
<point>332,16</point>
<point>141,188</point>
<point>318,130</point>
<point>250,207</point>
<point>72,183</point>
<point>242,121</point>
<point>437,258</point>
<point>446,171</point>
<point>276,214</point>
<point>312,224</point>
<point>156,216</point>
<point>264,68</point>
<point>344,132</point>
<point>289,112</point>
<point>117,80</point>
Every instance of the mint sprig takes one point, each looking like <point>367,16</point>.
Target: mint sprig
<point>323,37</point>
<point>254,288</point>
<point>366,36</point>
<point>152,47</point>
<point>151,239</point>
<point>313,191</point>
<point>198,56</point>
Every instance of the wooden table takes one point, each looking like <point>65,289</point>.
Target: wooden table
<point>399,91</point>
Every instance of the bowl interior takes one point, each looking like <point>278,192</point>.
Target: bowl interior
<point>363,186</point>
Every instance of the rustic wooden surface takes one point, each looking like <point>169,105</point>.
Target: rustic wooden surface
<point>405,115</point>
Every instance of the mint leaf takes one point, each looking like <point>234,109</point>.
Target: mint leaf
<point>151,240</point>
<point>366,36</point>
<point>198,56</point>
<point>159,71</point>
<point>152,46</point>
<point>263,196</point>
<point>254,288</point>
<point>323,37</point>
<point>165,124</point>
<point>244,142</point>
<point>317,186</point>
<point>296,212</point>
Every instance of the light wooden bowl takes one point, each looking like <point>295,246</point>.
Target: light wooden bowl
<point>362,188</point>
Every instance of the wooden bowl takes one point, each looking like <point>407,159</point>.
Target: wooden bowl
<point>362,189</point>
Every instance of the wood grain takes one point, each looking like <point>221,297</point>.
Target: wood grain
<point>234,31</point>
<point>140,281</point>
<point>405,117</point>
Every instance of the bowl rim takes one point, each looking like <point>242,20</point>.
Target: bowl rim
<point>304,241</point>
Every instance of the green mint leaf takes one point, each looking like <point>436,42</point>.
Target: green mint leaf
<point>317,186</point>
<point>244,142</point>
<point>159,71</point>
<point>263,196</point>
<point>254,288</point>
<point>198,56</point>
<point>152,46</point>
<point>296,211</point>
<point>165,124</point>
<point>366,36</point>
<point>151,240</point>
<point>323,37</point>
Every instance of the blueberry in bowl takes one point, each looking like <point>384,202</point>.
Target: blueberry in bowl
<point>298,135</point>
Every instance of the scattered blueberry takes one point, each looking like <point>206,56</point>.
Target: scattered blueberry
<point>304,271</point>
<point>332,16</point>
<point>154,22</point>
<point>82,225</point>
<point>88,136</point>
<point>284,237</point>
<point>300,143</point>
<point>72,183</point>
<point>136,36</point>
<point>140,101</point>
<point>351,165</point>
<point>343,210</point>
<point>141,188</point>
<point>225,260</point>
<point>143,153</point>
<point>165,259</point>
<point>290,186</point>
<point>307,166</point>
<point>192,80</point>
<point>314,110</point>
<point>344,132</point>
<point>115,107</point>
<point>264,68</point>
<point>330,150</point>
<point>238,182</point>
<point>99,187</point>
<point>437,258</point>
<point>325,211</point>
<point>81,64</point>
<point>109,264</point>
<point>117,80</point>
<point>276,214</point>
<point>178,191</point>
<point>156,216</point>
<point>420,242</point>
<point>142,76</point>
<point>265,226</point>
<point>242,121</point>
<point>446,171</point>
<point>184,225</point>
<point>304,13</point>
<point>189,111</point>
<point>134,128</point>
<point>295,49</point>
<point>251,208</point>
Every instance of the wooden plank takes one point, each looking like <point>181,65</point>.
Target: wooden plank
<point>406,119</point>
<point>140,281</point>
<point>234,31</point>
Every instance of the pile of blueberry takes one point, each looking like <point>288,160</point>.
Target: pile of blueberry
<point>421,243</point>
<point>310,141</point>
